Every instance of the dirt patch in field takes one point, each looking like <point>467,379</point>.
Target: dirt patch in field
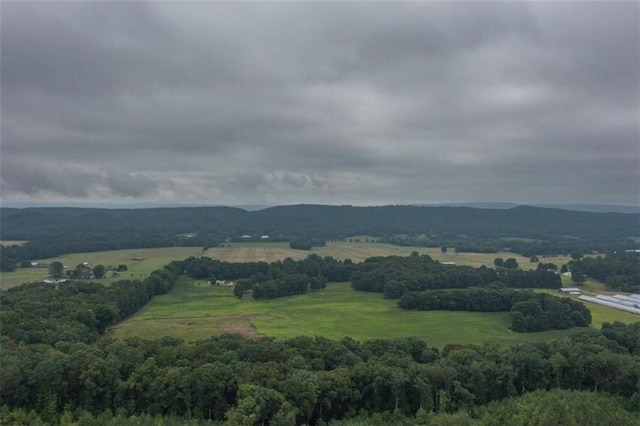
<point>190,329</point>
<point>240,324</point>
<point>241,327</point>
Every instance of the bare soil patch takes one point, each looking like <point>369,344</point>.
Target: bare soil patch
<point>243,328</point>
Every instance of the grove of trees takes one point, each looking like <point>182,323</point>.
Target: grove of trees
<point>529,311</point>
<point>395,275</point>
<point>619,271</point>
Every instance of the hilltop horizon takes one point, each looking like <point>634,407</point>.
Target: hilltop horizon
<point>497,205</point>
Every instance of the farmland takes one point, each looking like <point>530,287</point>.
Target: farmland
<point>155,258</point>
<point>195,311</point>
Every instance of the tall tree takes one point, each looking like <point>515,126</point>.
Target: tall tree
<point>56,269</point>
<point>98,271</point>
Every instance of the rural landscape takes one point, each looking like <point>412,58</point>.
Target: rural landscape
<point>423,321</point>
<point>319,213</point>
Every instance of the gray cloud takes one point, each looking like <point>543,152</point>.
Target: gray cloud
<point>131,184</point>
<point>320,102</point>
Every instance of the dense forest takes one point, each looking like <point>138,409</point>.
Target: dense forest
<point>321,221</point>
<point>526,230</point>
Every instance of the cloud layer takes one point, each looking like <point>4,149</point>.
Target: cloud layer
<point>359,103</point>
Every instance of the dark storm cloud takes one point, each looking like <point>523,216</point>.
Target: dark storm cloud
<point>320,102</point>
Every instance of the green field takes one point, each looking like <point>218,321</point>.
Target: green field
<point>247,252</point>
<point>194,311</point>
<point>152,259</point>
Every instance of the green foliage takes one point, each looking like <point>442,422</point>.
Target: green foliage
<point>99,271</point>
<point>75,311</point>
<point>627,336</point>
<point>510,263</point>
<point>258,406</point>
<point>470,299</point>
<point>619,271</point>
<point>7,263</point>
<point>306,243</point>
<point>529,311</point>
<point>81,272</point>
<point>302,380</point>
<point>56,373</point>
<point>547,266</point>
<point>56,270</point>
<point>395,275</point>
<point>546,312</point>
<point>271,280</point>
<point>559,407</point>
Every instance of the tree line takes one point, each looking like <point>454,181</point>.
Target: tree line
<point>529,311</point>
<point>304,380</point>
<point>313,266</point>
<point>270,280</point>
<point>285,285</point>
<point>391,275</point>
<point>550,245</point>
<point>395,275</point>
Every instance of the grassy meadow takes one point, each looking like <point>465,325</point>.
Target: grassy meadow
<point>194,311</point>
<point>152,259</point>
<point>156,258</point>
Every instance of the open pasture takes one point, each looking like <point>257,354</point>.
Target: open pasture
<point>156,258</point>
<point>193,311</point>
<point>152,259</point>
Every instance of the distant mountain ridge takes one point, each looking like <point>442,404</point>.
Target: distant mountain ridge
<point>321,221</point>
<point>593,208</point>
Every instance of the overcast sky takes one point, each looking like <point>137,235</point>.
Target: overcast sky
<point>333,103</point>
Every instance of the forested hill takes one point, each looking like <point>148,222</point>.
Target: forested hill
<point>321,221</point>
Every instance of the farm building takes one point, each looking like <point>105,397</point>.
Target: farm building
<point>569,290</point>
<point>611,302</point>
<point>223,283</point>
<point>50,281</point>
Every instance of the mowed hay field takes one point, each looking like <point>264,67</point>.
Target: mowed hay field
<point>156,258</point>
<point>194,310</point>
